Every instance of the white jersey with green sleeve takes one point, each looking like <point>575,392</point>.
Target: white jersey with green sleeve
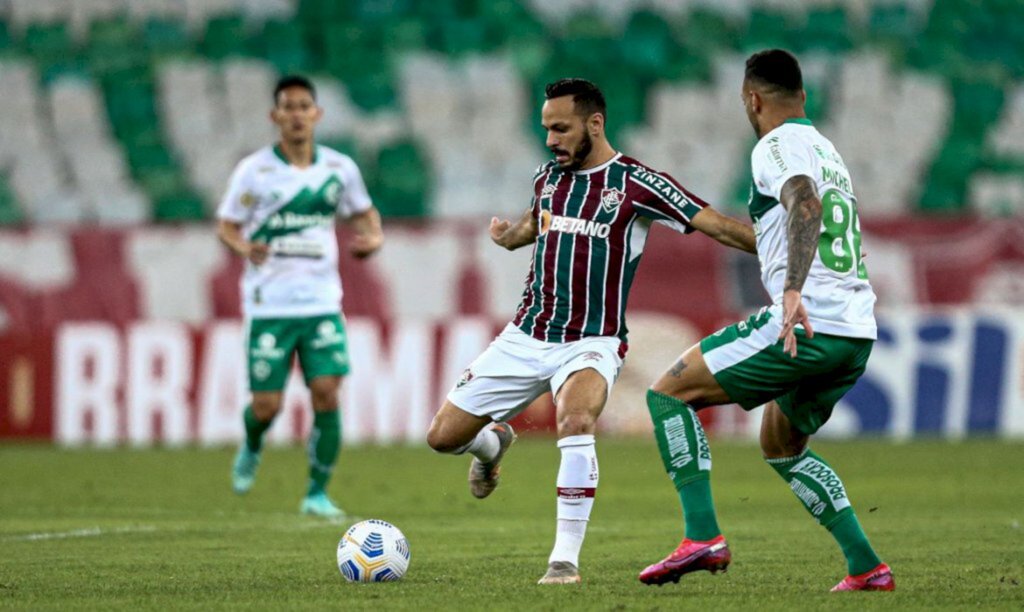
<point>837,294</point>
<point>294,210</point>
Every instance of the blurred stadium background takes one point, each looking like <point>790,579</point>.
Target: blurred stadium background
<point>122,119</point>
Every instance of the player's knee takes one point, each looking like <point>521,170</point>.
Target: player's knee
<point>576,423</point>
<point>265,408</point>
<point>773,447</point>
<point>439,440</point>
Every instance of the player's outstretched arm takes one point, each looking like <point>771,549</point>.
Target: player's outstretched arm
<point>230,233</point>
<point>800,197</point>
<point>512,236</point>
<point>369,234</point>
<point>726,230</point>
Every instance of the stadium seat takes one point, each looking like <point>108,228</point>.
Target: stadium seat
<point>226,35</point>
<point>165,37</point>
<point>10,212</point>
<point>401,181</point>
<point>826,29</point>
<point>767,29</point>
<point>647,44</point>
<point>283,44</point>
<point>180,207</point>
<point>6,41</point>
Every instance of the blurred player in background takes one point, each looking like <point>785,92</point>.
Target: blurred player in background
<point>279,213</point>
<point>799,356</point>
<point>592,209</point>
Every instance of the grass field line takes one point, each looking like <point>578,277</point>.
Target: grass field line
<point>90,532</point>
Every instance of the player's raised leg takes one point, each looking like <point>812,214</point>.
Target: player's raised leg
<point>456,431</point>
<point>257,418</point>
<point>324,446</point>
<point>822,493</point>
<point>673,402</point>
<point>579,402</point>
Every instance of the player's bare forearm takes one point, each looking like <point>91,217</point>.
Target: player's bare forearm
<point>726,230</point>
<point>230,234</point>
<point>513,236</point>
<point>369,233</point>
<point>800,197</point>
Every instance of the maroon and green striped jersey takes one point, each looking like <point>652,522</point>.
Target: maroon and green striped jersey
<point>593,225</point>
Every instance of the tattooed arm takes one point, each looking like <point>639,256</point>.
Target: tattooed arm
<point>800,198</point>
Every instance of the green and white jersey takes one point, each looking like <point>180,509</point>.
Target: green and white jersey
<point>294,211</point>
<point>837,294</point>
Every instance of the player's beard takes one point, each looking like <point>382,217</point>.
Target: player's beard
<point>580,155</point>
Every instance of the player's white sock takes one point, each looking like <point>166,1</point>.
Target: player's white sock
<point>577,482</point>
<point>484,446</point>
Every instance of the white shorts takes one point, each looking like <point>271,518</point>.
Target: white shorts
<point>517,369</point>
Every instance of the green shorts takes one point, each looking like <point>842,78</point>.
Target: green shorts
<point>319,342</point>
<point>748,361</point>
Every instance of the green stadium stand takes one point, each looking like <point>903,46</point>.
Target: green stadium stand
<point>184,206</point>
<point>768,29</point>
<point>114,46</point>
<point>226,36</point>
<point>165,38</point>
<point>460,37</point>
<point>974,46</point>
<point>826,30</point>
<point>10,212</point>
<point>6,40</point>
<point>400,181</point>
<point>283,44</point>
<point>709,30</point>
<point>53,50</point>
<point>647,44</point>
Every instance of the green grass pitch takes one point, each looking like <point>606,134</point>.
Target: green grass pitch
<point>160,529</point>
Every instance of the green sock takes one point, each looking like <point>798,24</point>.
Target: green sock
<point>254,429</point>
<point>324,445</point>
<point>818,487</point>
<point>687,458</point>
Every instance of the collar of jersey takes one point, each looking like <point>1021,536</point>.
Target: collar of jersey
<point>601,167</point>
<point>799,121</point>
<point>280,155</point>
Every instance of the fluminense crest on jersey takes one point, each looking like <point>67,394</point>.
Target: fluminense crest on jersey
<point>612,198</point>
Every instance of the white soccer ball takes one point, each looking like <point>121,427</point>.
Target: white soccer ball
<point>373,551</point>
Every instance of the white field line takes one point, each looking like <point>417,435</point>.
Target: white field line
<point>91,532</point>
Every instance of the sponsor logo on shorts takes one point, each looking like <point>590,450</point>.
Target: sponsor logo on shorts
<point>327,335</point>
<point>266,347</point>
<point>467,375</point>
<point>261,370</point>
<point>591,356</point>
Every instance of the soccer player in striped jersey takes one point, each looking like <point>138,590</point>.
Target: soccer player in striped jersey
<point>798,356</point>
<point>591,211</point>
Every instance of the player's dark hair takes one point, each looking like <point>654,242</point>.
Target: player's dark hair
<point>775,68</point>
<point>586,96</point>
<point>294,80</point>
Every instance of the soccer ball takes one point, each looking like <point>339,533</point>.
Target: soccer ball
<point>373,551</point>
